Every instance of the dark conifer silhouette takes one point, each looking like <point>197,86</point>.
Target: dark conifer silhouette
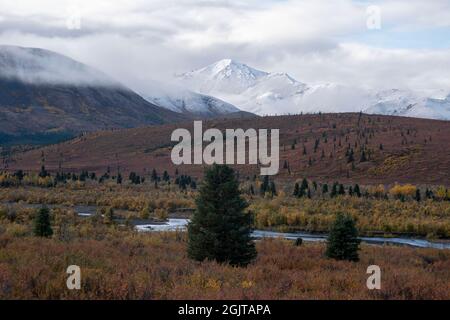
<point>220,227</point>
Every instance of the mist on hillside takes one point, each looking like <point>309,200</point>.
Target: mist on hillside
<point>39,66</point>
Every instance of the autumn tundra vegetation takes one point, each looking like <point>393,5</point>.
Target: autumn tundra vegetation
<point>41,234</point>
<point>346,175</point>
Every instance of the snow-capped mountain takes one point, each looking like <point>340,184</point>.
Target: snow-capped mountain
<point>181,100</point>
<point>188,102</point>
<point>413,104</point>
<point>226,76</point>
<point>278,93</point>
<point>251,89</point>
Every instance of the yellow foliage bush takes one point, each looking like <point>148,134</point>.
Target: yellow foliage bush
<point>442,193</point>
<point>403,190</point>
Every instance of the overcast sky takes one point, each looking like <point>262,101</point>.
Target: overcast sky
<point>137,41</point>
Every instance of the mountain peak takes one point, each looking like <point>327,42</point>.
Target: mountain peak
<point>228,67</point>
<point>225,63</point>
<point>237,77</point>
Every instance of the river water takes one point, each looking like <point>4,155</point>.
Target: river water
<point>180,225</point>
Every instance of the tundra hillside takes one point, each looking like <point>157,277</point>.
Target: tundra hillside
<point>352,148</point>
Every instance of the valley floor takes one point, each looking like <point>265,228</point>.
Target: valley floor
<point>93,228</point>
<point>121,264</point>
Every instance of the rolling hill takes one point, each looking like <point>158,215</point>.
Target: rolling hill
<point>396,149</point>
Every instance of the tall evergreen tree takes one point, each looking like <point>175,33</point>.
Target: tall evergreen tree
<point>154,175</point>
<point>42,225</point>
<point>316,145</point>
<point>418,197</point>
<point>334,190</point>
<point>303,188</point>
<point>357,191</point>
<point>220,228</point>
<point>296,190</point>
<point>350,191</point>
<point>304,184</point>
<point>325,188</point>
<point>350,157</point>
<point>43,173</point>
<point>265,185</point>
<point>343,242</point>
<point>19,175</point>
<point>363,157</point>
<point>341,190</point>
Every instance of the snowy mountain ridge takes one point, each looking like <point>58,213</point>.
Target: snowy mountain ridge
<point>185,101</point>
<point>264,93</point>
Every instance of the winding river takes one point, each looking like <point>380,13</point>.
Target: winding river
<point>181,224</point>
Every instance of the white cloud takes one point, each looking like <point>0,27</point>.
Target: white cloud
<point>314,40</point>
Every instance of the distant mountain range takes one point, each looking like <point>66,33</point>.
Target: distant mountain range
<point>264,93</point>
<point>46,97</point>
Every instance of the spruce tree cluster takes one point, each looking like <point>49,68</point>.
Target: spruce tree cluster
<point>268,186</point>
<point>184,181</point>
<point>302,190</point>
<point>134,178</point>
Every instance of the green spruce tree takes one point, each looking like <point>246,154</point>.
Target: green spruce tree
<point>265,185</point>
<point>42,224</point>
<point>343,242</point>
<point>220,228</point>
<point>341,191</point>
<point>334,190</point>
<point>418,197</point>
<point>324,188</point>
<point>296,190</point>
<point>357,191</point>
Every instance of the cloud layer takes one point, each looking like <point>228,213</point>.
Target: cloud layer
<point>139,41</point>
